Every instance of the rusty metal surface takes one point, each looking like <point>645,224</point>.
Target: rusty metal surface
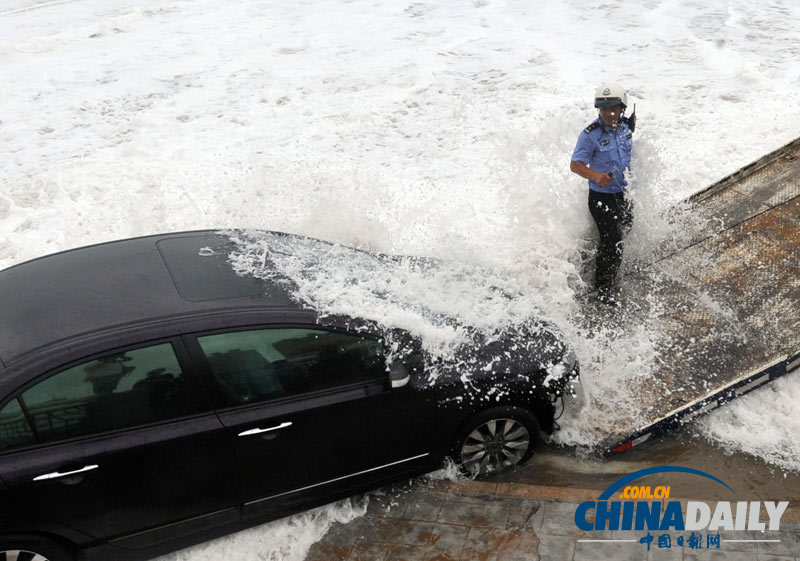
<point>765,184</point>
<point>728,304</point>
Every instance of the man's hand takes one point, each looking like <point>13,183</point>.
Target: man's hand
<point>602,179</point>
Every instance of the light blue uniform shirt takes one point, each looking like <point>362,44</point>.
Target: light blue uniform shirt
<point>604,150</point>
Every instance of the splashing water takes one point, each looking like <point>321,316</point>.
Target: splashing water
<point>287,539</point>
<point>123,119</point>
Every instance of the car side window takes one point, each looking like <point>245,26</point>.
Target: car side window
<point>15,431</point>
<point>265,364</point>
<point>117,391</point>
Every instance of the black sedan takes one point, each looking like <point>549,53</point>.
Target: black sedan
<point>152,398</point>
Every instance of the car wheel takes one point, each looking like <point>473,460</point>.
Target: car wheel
<point>496,440</point>
<point>32,549</point>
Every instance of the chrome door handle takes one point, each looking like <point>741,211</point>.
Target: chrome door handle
<point>56,475</point>
<point>260,431</point>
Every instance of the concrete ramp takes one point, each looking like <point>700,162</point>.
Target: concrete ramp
<point>728,303</point>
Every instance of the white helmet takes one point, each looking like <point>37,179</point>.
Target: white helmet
<point>609,95</point>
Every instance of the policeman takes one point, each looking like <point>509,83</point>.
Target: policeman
<point>602,155</point>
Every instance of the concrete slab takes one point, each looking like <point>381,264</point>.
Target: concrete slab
<point>525,513</point>
<point>716,555</point>
<point>505,544</point>
<point>744,547</point>
<point>404,552</point>
<point>665,554</point>
<point>471,514</point>
<point>555,548</point>
<point>368,551</point>
<point>425,508</point>
<point>604,551</point>
<point>789,544</point>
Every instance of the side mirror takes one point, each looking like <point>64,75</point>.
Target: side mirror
<point>399,374</point>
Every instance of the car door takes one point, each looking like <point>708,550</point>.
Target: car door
<point>312,413</point>
<point>122,443</point>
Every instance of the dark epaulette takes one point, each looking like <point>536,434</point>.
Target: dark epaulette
<point>591,127</point>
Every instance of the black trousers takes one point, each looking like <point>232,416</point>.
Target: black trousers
<point>614,217</point>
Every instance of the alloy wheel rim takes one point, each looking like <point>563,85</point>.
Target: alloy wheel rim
<point>21,555</point>
<point>495,446</point>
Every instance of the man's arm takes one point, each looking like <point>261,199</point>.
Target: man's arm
<point>602,179</point>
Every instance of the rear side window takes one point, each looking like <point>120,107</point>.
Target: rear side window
<point>118,391</point>
<point>259,365</point>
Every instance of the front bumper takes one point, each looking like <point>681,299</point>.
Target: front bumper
<point>565,388</point>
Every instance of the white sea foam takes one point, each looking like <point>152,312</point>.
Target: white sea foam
<point>287,539</point>
<point>764,423</point>
<point>436,129</point>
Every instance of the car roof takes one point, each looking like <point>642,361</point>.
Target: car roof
<point>99,287</point>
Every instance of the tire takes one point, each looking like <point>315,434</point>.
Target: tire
<point>495,440</point>
<point>30,548</point>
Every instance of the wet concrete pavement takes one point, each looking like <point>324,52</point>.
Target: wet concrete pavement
<point>428,520</point>
<point>528,514</point>
<point>750,477</point>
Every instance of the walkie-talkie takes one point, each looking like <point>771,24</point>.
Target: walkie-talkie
<point>632,119</point>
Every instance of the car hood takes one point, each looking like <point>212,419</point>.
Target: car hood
<point>464,319</point>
